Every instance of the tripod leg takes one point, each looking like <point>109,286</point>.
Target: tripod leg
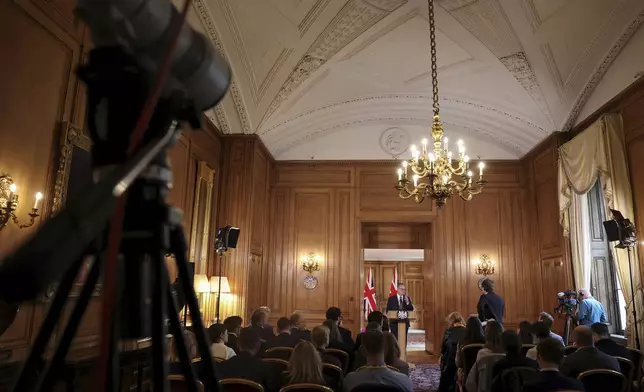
<point>178,248</point>
<point>34,360</point>
<point>52,373</point>
<point>159,355</point>
<point>179,337</point>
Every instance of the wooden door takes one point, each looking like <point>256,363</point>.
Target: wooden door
<point>415,282</point>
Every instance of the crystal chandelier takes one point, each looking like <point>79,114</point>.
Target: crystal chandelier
<point>437,174</point>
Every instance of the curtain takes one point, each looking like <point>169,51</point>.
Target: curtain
<point>598,151</point>
<point>580,240</point>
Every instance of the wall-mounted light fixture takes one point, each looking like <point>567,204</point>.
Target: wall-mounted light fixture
<point>310,264</point>
<point>484,266</point>
<point>9,204</point>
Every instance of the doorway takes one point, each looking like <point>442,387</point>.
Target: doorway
<point>392,250</point>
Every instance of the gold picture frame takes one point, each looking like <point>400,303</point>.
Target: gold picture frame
<point>201,217</point>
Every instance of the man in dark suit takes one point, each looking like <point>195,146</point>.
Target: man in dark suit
<point>284,337</point>
<point>298,328</point>
<point>605,344</point>
<point>550,355</point>
<point>587,357</point>
<point>233,326</point>
<point>246,365</point>
<point>400,302</point>
<point>258,324</point>
<point>511,344</point>
<point>335,314</point>
<point>491,306</point>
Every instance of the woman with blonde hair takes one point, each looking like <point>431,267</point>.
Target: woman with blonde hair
<point>305,366</point>
<point>453,334</point>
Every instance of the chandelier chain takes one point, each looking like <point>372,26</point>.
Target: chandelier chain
<point>432,43</point>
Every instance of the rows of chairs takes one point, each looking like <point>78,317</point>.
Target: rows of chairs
<point>285,354</point>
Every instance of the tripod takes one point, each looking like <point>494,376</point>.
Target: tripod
<point>117,88</point>
<point>629,248</point>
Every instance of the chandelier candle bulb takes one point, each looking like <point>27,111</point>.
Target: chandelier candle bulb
<point>481,166</point>
<point>445,144</point>
<point>415,180</point>
<point>404,169</point>
<point>38,198</point>
<point>12,193</point>
<point>449,157</point>
<point>424,142</point>
<point>400,171</point>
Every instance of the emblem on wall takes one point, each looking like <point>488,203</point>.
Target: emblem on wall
<point>394,141</point>
<point>310,282</point>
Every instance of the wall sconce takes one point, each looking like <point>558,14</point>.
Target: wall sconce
<point>9,204</point>
<point>484,266</point>
<point>310,264</point>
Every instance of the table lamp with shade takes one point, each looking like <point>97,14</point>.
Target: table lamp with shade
<point>202,287</point>
<point>219,285</point>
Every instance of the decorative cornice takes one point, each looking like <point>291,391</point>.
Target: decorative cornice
<point>601,70</point>
<point>426,97</point>
<point>211,31</point>
<point>519,67</point>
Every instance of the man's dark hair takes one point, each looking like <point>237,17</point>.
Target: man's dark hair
<point>601,330</point>
<point>215,331</point>
<point>248,340</point>
<point>283,324</point>
<point>547,319</point>
<point>541,330</point>
<point>375,317</point>
<point>232,323</point>
<point>373,342</point>
<point>511,342</point>
<point>550,351</point>
<point>333,313</point>
<point>488,285</point>
<point>373,326</point>
<point>256,318</point>
<point>584,337</point>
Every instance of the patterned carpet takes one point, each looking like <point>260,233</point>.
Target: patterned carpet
<point>425,377</point>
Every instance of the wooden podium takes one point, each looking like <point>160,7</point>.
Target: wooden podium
<point>392,315</point>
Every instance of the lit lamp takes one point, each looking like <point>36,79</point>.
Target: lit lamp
<point>310,264</point>
<point>202,289</point>
<point>219,285</point>
<point>9,204</point>
<point>484,266</point>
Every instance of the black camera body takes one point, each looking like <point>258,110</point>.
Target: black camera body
<point>568,301</point>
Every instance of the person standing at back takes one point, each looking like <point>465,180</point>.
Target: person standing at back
<point>491,306</point>
<point>590,311</point>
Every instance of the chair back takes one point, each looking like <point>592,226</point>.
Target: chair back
<point>514,378</point>
<point>395,369</point>
<point>341,355</point>
<point>569,350</point>
<point>306,387</point>
<point>525,348</point>
<point>627,368</point>
<point>602,380</point>
<point>334,375</point>
<point>637,356</point>
<point>178,384</point>
<point>469,353</point>
<point>376,388</point>
<point>278,366</point>
<point>240,385</point>
<point>279,353</point>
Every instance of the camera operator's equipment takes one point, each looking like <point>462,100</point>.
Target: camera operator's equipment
<point>132,116</point>
<point>226,238</point>
<point>567,307</point>
<point>623,231</point>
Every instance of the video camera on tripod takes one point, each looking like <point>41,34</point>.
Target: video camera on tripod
<point>148,72</point>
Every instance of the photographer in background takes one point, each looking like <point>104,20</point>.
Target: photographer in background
<point>590,311</point>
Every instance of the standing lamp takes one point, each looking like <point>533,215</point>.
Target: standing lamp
<point>202,286</point>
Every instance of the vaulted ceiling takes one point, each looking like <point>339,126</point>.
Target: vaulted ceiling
<point>332,79</point>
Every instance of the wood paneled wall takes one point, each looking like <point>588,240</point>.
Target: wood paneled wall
<point>394,236</point>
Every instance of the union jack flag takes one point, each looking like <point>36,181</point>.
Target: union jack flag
<point>369,296</point>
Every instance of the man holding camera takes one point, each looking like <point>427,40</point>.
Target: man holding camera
<point>590,311</point>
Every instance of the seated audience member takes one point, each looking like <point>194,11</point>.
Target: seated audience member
<point>454,333</point>
<point>376,371</point>
<point>173,354</point>
<point>587,357</point>
<point>525,332</point>
<point>605,344</point>
<point>493,331</point>
<point>513,358</point>
<point>549,356</point>
<point>233,325</point>
<point>246,365</point>
<point>284,337</point>
<point>360,357</point>
<point>219,337</point>
<point>298,328</point>
<point>539,331</point>
<point>473,335</point>
<point>258,324</point>
<point>335,314</point>
<point>547,319</point>
<point>320,339</point>
<point>392,354</point>
<point>373,317</point>
<point>305,366</point>
<point>336,340</point>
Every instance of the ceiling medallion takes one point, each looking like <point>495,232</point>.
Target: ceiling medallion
<point>437,174</point>
<point>394,141</point>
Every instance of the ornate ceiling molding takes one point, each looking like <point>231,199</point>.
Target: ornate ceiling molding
<point>425,97</point>
<point>599,73</point>
<point>519,67</point>
<point>356,17</point>
<point>211,31</point>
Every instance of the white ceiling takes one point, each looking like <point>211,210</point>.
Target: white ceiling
<point>324,79</point>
